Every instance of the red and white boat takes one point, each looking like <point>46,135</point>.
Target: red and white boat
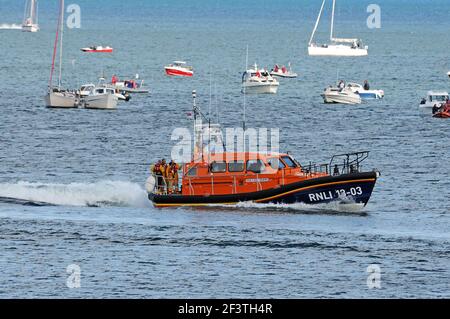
<point>179,68</point>
<point>98,49</point>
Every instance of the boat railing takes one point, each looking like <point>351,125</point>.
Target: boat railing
<point>339,164</point>
<point>165,185</point>
<point>347,163</point>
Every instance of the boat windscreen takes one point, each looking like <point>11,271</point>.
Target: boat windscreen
<point>440,98</point>
<point>289,162</point>
<point>275,163</point>
<point>218,167</point>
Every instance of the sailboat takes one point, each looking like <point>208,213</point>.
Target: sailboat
<point>338,46</point>
<point>30,20</point>
<point>56,96</point>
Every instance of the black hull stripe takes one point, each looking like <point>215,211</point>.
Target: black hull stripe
<point>265,195</point>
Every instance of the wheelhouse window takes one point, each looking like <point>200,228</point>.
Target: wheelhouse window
<point>439,98</point>
<point>255,166</point>
<point>275,163</point>
<point>237,166</point>
<point>192,172</point>
<point>218,167</point>
<point>289,162</point>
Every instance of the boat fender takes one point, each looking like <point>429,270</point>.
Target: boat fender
<point>150,184</point>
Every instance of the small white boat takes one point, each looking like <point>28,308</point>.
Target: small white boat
<point>94,97</point>
<point>179,68</point>
<point>341,96</point>
<point>434,98</point>
<point>129,85</point>
<point>365,94</point>
<point>338,46</point>
<point>98,49</point>
<point>283,72</point>
<point>256,81</point>
<point>30,20</point>
<point>88,89</point>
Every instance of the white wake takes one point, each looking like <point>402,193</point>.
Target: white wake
<point>302,207</point>
<point>103,193</point>
<point>7,26</point>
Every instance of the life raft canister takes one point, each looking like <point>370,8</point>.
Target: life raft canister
<point>150,184</point>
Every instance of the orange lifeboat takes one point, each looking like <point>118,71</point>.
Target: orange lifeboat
<point>228,178</point>
<point>442,112</point>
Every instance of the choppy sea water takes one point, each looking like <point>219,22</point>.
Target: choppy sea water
<point>88,168</point>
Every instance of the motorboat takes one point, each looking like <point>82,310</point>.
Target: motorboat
<point>129,85</point>
<point>179,68</point>
<point>95,97</point>
<point>98,49</point>
<point>434,98</point>
<point>365,94</point>
<point>57,97</point>
<point>30,20</point>
<point>88,89</point>
<point>340,96</point>
<point>283,72</point>
<point>224,177</point>
<point>259,81</point>
<point>337,46</point>
<point>442,112</point>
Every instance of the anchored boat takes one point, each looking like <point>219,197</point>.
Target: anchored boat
<point>340,96</point>
<point>30,20</point>
<point>227,178</point>
<point>283,72</point>
<point>365,94</point>
<point>98,49</point>
<point>256,81</point>
<point>338,46</point>
<point>434,98</point>
<point>57,97</point>
<point>179,68</point>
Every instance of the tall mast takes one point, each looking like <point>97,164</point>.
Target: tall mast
<point>332,20</point>
<point>50,83</point>
<point>32,11</point>
<point>317,23</point>
<point>36,11</point>
<point>61,43</point>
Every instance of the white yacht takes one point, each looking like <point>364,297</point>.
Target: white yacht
<point>256,81</point>
<point>56,96</point>
<point>337,46</point>
<point>340,96</point>
<point>59,98</point>
<point>30,20</point>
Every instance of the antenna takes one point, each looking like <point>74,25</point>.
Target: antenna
<point>245,100</point>
<point>217,104</point>
<point>210,94</point>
